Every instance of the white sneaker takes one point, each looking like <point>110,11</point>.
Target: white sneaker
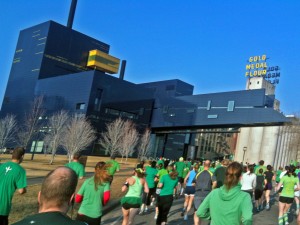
<point>146,210</point>
<point>151,204</point>
<point>155,217</point>
<point>185,217</point>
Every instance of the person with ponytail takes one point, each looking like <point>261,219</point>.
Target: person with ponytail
<point>228,205</point>
<point>93,195</point>
<point>289,180</point>
<point>132,201</point>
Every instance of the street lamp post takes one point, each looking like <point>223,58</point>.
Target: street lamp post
<point>244,149</point>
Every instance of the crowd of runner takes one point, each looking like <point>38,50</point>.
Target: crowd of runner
<point>223,192</point>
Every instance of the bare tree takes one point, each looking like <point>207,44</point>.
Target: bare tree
<point>56,125</point>
<point>78,135</point>
<point>8,127</point>
<point>111,139</point>
<point>32,123</point>
<point>145,145</point>
<point>130,139</point>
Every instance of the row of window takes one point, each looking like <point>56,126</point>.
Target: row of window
<point>120,113</point>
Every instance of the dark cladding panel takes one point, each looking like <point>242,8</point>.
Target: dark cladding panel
<point>67,51</point>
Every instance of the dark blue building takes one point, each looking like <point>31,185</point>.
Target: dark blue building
<point>51,61</point>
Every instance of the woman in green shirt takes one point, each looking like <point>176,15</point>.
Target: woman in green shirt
<point>289,180</point>
<point>132,201</point>
<point>228,205</point>
<point>93,195</point>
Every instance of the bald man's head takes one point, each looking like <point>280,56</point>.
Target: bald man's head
<point>206,164</point>
<point>58,187</point>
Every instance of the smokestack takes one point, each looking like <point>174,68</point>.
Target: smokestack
<point>122,72</point>
<point>72,14</point>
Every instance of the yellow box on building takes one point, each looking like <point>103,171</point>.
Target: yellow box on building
<point>103,62</point>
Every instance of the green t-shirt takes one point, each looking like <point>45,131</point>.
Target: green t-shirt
<point>12,177</point>
<point>212,169</point>
<point>278,172</point>
<point>188,164</point>
<point>161,173</point>
<point>200,168</point>
<point>186,170</point>
<point>160,162</point>
<point>77,167</point>
<point>260,167</point>
<point>179,168</point>
<point>168,185</point>
<point>113,167</point>
<point>150,175</point>
<point>91,205</point>
<point>288,186</point>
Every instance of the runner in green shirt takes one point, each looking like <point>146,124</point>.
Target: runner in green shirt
<point>287,195</point>
<point>93,195</point>
<point>13,177</point>
<point>167,184</point>
<point>76,166</point>
<point>113,167</point>
<point>278,172</point>
<point>179,166</point>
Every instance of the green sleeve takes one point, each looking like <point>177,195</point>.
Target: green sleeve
<point>247,211</point>
<point>21,182</point>
<point>106,187</point>
<point>81,171</point>
<point>203,210</point>
<point>82,188</point>
<point>161,180</point>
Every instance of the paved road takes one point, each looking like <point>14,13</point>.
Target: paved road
<point>264,217</point>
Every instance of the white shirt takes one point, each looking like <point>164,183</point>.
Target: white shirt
<point>248,181</point>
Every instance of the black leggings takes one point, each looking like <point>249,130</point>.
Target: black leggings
<point>3,220</point>
<point>89,220</point>
<point>164,206</point>
<point>151,193</point>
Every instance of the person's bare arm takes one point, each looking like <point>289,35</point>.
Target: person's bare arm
<point>22,191</point>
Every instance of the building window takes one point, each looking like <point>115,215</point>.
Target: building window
<point>212,116</point>
<point>230,106</point>
<point>80,106</point>
<point>208,105</point>
<point>165,109</point>
<point>141,111</point>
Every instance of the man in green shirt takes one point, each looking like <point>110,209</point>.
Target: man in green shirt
<point>76,166</point>
<point>113,167</point>
<point>13,177</point>
<point>179,166</point>
<point>261,166</point>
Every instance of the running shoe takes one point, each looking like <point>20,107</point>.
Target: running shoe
<point>267,207</point>
<point>185,217</point>
<point>151,204</point>
<point>155,217</point>
<point>146,210</point>
<point>182,212</point>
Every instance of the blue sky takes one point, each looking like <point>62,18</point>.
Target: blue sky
<point>204,43</point>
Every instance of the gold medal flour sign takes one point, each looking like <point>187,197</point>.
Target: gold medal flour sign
<point>257,66</point>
